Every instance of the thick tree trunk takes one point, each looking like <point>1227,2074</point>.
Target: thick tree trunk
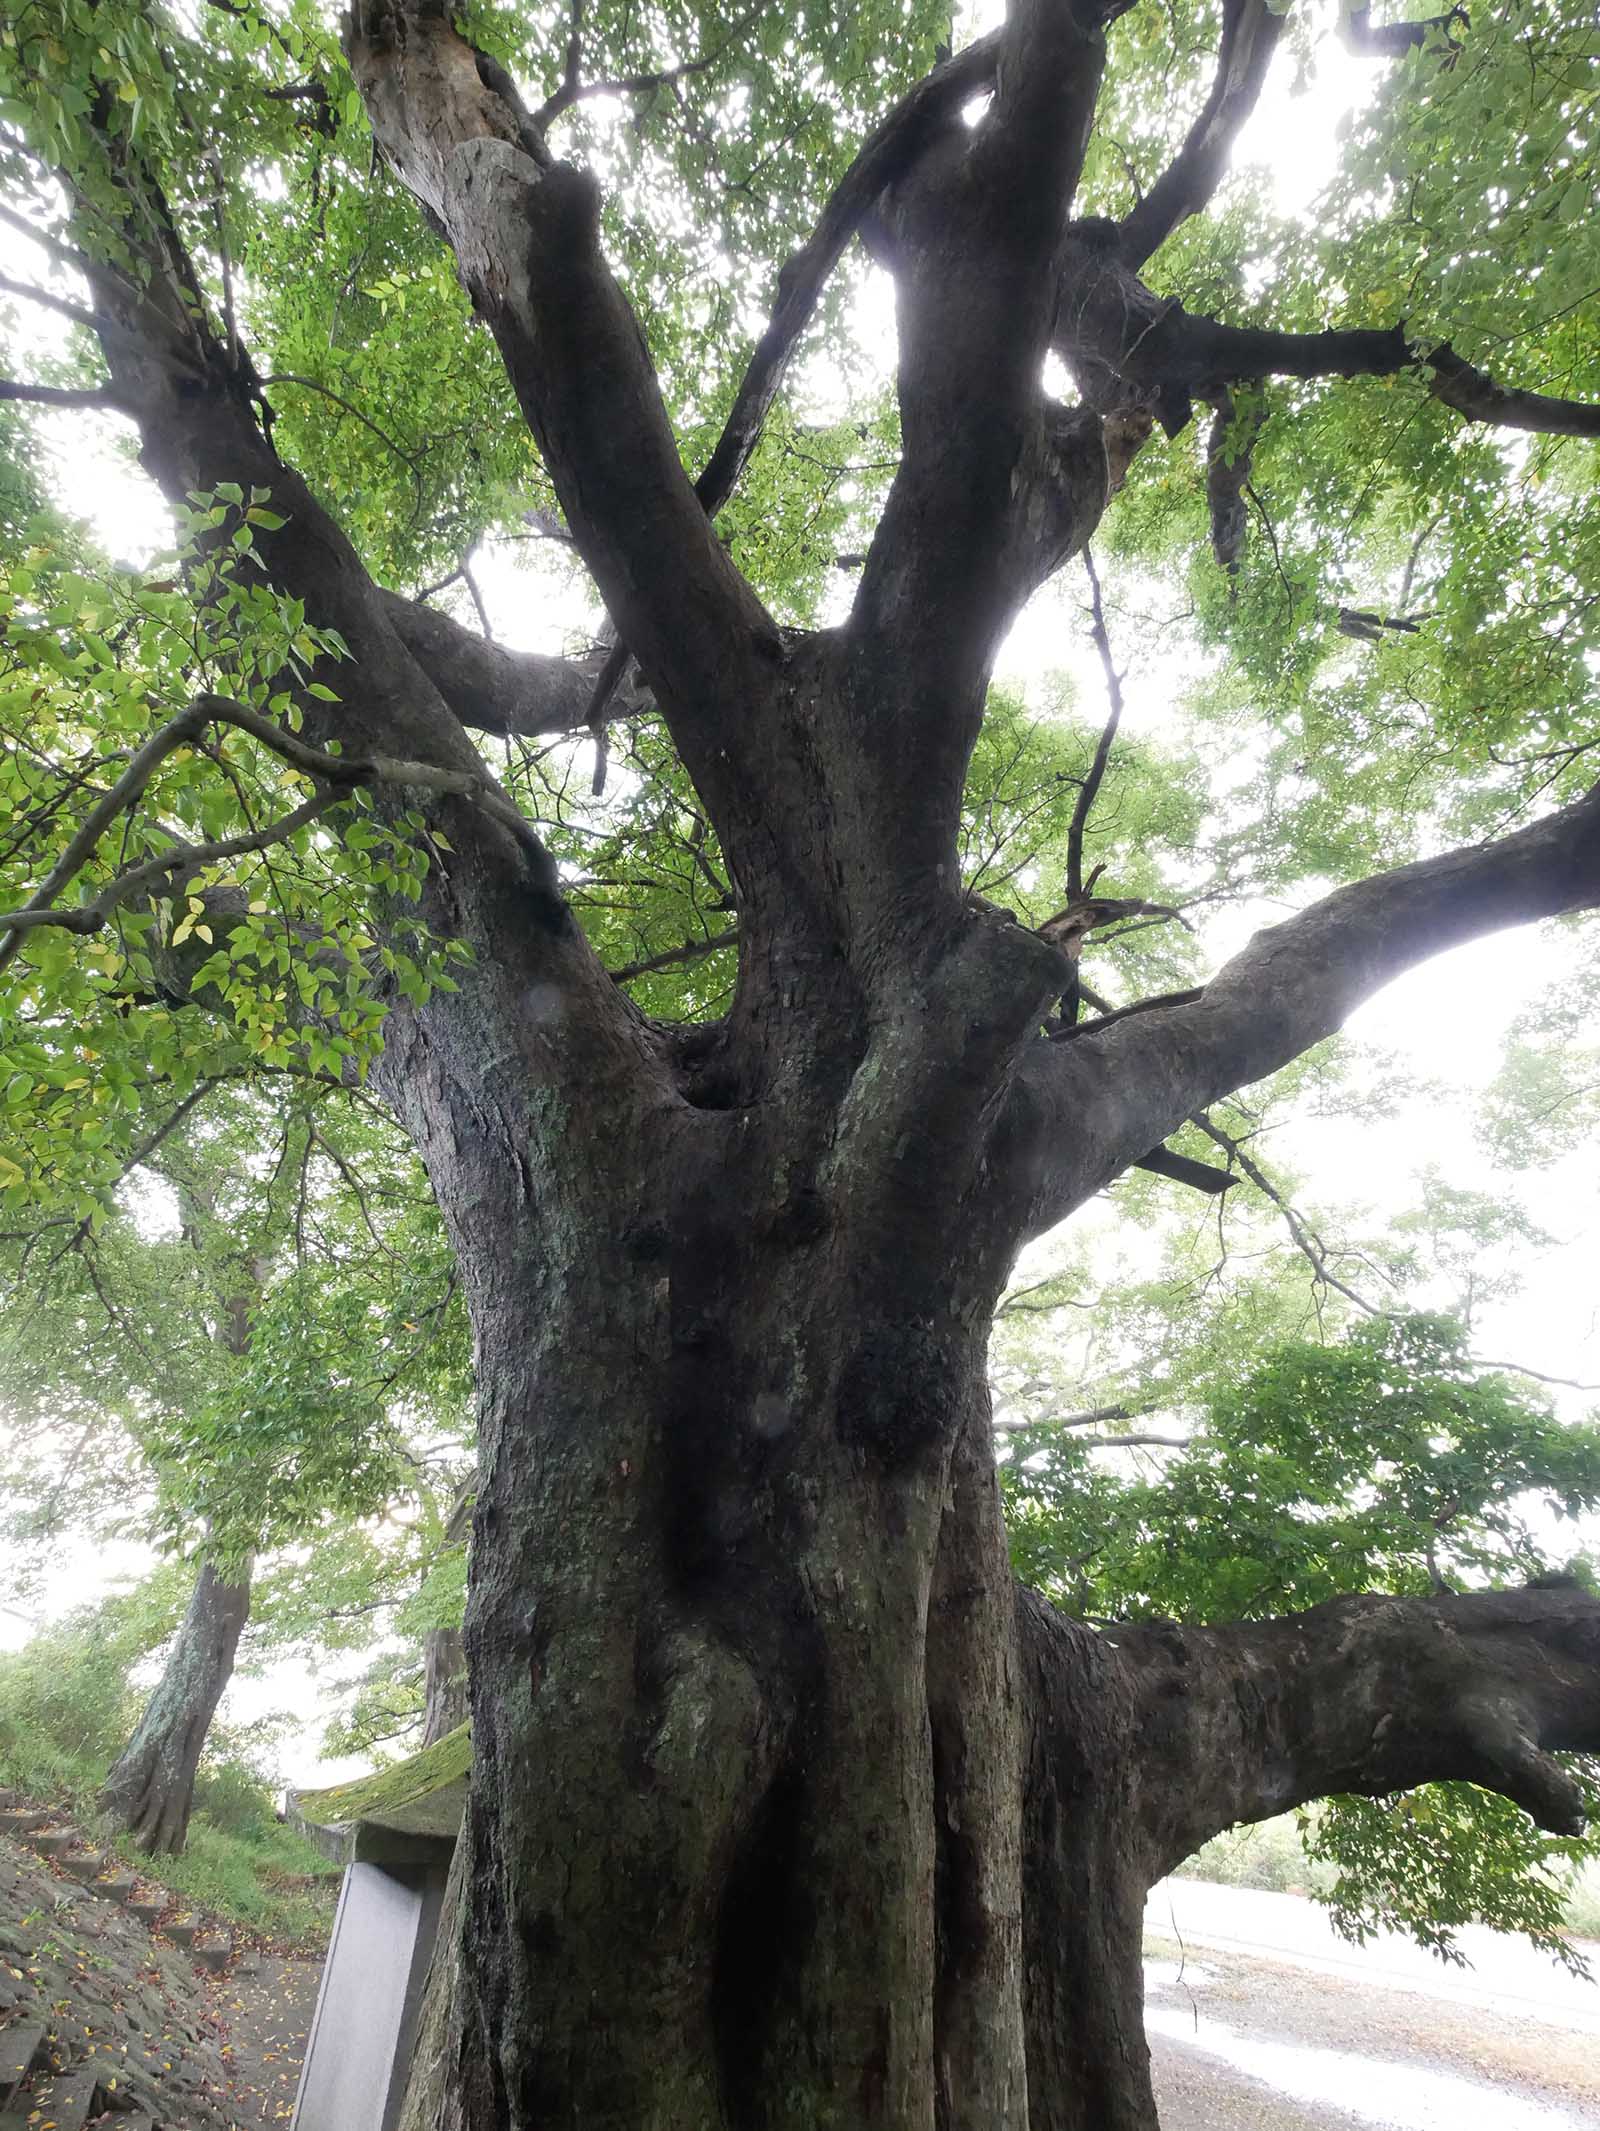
<point>151,1786</point>
<point>716,1815</point>
<point>444,1683</point>
<point>745,1812</point>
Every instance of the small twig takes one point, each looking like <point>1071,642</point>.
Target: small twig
<point>174,1117</point>
<point>484,622</point>
<point>1121,1013</point>
<point>1102,754</point>
<point>1306,1240</point>
<point>1517,1368</point>
<point>573,92</point>
<point>352,1183</point>
<point>690,951</point>
<point>1272,541</point>
<point>311,384</point>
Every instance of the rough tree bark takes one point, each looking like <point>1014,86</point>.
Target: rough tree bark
<point>150,1788</point>
<point>784,1814</point>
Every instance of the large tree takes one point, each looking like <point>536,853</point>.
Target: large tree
<point>786,1808</point>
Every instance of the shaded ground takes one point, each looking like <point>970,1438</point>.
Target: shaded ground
<point>123,2017</point>
<point>267,2017</point>
<point>1300,2040</point>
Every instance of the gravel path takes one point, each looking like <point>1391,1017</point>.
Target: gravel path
<point>1262,2042</point>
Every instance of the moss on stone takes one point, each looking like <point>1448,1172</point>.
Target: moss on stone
<point>422,1795</point>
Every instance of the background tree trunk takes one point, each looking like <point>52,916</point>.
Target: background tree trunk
<point>151,1786</point>
<point>444,1683</point>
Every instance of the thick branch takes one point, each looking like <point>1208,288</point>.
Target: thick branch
<point>1229,451</point>
<point>1119,337</point>
<point>1181,1169</point>
<point>995,487</point>
<point>1135,1442</point>
<point>1476,395</point>
<point>1250,31</point>
<point>1392,40</point>
<point>494,690</point>
<point>1366,1695</point>
<point>888,152</point>
<point>672,957</point>
<point>525,231</point>
<point>77,313</point>
<point>1083,1110</point>
<point>79,396</point>
<point>196,399</point>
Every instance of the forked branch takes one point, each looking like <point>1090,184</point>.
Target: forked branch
<point>1097,1103</point>
<point>1250,31</point>
<point>334,775</point>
